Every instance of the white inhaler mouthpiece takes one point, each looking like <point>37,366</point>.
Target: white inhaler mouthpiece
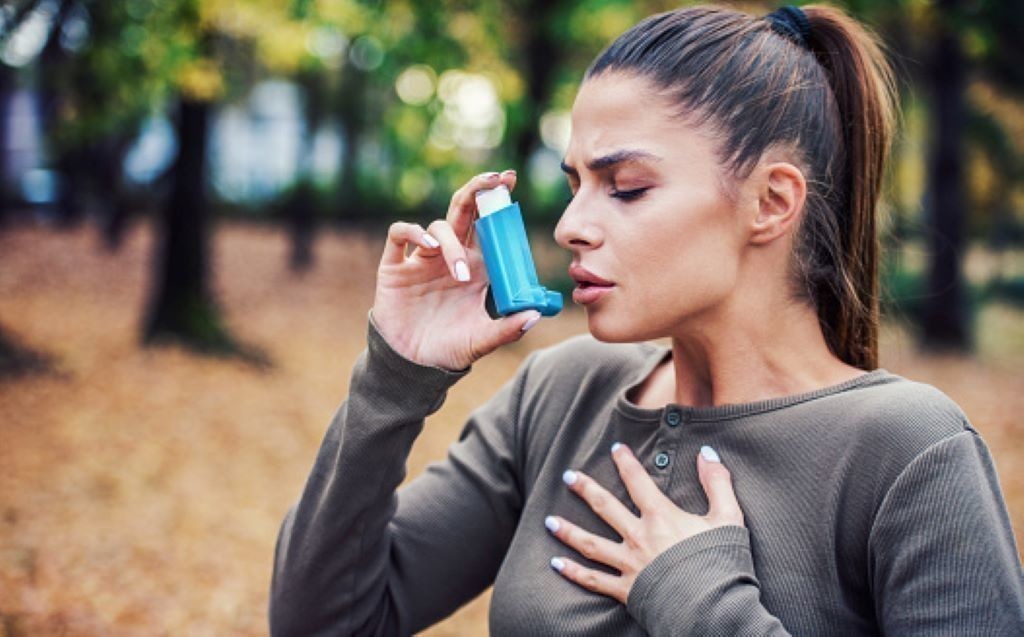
<point>493,200</point>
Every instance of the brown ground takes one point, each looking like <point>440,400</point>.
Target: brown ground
<point>141,489</point>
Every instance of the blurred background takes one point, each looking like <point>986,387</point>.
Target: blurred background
<point>193,201</point>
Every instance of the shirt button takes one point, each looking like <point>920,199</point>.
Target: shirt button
<point>673,418</point>
<point>661,460</point>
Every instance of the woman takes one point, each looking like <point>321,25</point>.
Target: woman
<point>761,476</point>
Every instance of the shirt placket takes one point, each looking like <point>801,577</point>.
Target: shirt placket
<point>663,458</point>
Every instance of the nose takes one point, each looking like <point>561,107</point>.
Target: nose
<point>574,231</point>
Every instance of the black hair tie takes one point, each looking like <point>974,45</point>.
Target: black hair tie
<point>791,22</point>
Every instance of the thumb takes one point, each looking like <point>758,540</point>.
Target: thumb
<point>505,330</point>
<point>723,507</point>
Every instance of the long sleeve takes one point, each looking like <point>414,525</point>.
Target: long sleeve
<point>355,557</point>
<point>943,558</point>
<point>704,585</point>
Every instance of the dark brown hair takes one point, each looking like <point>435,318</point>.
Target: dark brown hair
<point>831,103</point>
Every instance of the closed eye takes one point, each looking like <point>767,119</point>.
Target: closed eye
<point>629,195</point>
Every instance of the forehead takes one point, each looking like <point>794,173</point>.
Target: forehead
<point>617,110</point>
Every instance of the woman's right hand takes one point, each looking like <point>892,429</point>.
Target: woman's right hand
<point>422,308</point>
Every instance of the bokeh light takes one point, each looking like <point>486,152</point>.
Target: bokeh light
<point>28,40</point>
<point>473,117</point>
<point>327,44</point>
<point>416,84</point>
<point>366,53</point>
<point>555,130</point>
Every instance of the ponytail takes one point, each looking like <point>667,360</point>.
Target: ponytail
<point>863,86</point>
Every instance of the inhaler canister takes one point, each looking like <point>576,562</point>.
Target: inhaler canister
<point>507,256</point>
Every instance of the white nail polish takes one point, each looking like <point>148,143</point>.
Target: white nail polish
<point>552,524</point>
<point>557,563</point>
<point>527,325</point>
<point>461,270</point>
<point>615,447</point>
<point>430,241</point>
<point>569,477</point>
<point>709,454</point>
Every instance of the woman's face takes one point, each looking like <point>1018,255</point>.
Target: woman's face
<point>648,213</point>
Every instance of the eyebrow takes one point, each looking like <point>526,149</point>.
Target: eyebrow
<point>611,159</point>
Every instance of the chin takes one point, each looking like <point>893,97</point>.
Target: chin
<point>614,329</point>
<point>631,326</point>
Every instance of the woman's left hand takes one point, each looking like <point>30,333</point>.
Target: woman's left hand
<point>661,523</point>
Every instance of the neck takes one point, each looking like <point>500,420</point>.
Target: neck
<point>747,354</point>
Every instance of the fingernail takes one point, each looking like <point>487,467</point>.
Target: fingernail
<point>551,523</point>
<point>557,563</point>
<point>569,477</point>
<point>527,325</point>
<point>709,454</point>
<point>615,447</point>
<point>508,172</point>
<point>491,176</point>
<point>430,241</point>
<point>461,270</point>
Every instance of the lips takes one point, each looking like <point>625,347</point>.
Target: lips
<point>585,278</point>
<point>590,287</point>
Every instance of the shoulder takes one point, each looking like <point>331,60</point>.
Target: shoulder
<point>898,404</point>
<point>892,420</point>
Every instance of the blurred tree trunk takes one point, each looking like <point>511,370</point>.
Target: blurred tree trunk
<point>542,58</point>
<point>6,89</point>
<point>945,318</point>
<point>300,209</point>
<point>302,222</point>
<point>182,307</point>
<point>110,157</point>
<point>70,163</point>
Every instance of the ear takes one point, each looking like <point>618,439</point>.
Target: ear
<point>782,191</point>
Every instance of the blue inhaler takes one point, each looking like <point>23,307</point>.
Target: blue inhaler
<point>506,252</point>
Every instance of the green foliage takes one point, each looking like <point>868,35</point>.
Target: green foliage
<point>392,77</point>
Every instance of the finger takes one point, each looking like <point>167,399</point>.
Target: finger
<point>508,177</point>
<point>591,546</point>
<point>454,252</point>
<point>504,330</point>
<point>723,507</point>
<point>601,502</point>
<point>401,233</point>
<point>613,586</point>
<point>462,209</point>
<point>645,494</point>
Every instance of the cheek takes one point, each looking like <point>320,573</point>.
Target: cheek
<point>690,267</point>
<point>691,281</point>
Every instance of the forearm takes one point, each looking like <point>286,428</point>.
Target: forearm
<point>704,585</point>
<point>330,569</point>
